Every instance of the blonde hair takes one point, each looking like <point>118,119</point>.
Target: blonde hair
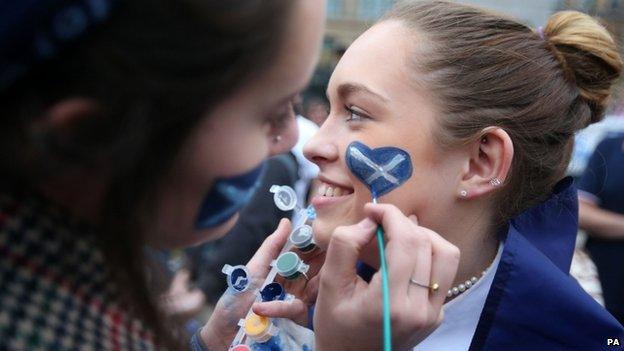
<point>588,53</point>
<point>488,70</point>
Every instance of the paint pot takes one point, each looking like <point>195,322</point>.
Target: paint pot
<point>238,278</point>
<point>241,347</point>
<point>302,238</point>
<point>272,291</point>
<point>285,197</point>
<point>258,328</point>
<point>290,266</point>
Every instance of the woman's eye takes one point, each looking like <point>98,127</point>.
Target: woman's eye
<point>354,115</point>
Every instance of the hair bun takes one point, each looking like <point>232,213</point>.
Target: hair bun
<point>588,53</point>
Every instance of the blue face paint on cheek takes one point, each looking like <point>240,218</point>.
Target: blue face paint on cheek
<point>227,196</point>
<point>382,169</point>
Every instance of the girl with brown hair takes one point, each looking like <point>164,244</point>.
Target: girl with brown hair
<point>134,123</point>
<point>487,109</point>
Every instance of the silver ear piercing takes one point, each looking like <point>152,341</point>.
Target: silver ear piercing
<point>463,193</point>
<point>277,138</point>
<point>495,182</point>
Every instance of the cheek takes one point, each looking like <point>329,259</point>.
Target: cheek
<point>231,149</point>
<point>219,148</point>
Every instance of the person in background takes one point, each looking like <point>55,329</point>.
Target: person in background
<point>601,215</point>
<point>308,171</point>
<point>315,109</point>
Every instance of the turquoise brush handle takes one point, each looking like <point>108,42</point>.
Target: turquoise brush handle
<point>385,286</point>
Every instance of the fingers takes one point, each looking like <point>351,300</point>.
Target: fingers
<point>295,310</point>
<point>311,291</point>
<point>344,248</point>
<point>445,260</point>
<point>408,252</point>
<point>259,264</point>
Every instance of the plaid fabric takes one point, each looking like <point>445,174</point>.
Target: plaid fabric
<point>54,292</point>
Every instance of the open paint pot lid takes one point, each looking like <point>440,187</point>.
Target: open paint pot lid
<point>302,236</point>
<point>285,197</point>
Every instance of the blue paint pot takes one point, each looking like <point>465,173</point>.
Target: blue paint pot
<point>272,291</point>
<point>238,278</point>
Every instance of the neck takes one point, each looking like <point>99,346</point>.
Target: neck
<point>476,239</point>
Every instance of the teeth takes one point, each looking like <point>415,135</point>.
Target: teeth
<point>329,192</point>
<point>322,188</point>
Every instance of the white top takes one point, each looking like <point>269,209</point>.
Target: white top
<point>307,169</point>
<point>461,315</point>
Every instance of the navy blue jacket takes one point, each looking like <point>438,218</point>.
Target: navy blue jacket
<point>533,303</point>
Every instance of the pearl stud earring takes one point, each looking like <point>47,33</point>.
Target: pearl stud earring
<point>463,193</point>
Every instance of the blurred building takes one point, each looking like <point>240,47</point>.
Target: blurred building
<point>347,19</point>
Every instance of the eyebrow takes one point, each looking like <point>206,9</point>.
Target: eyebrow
<point>347,89</point>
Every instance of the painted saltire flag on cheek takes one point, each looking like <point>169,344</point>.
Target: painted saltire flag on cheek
<point>381,169</point>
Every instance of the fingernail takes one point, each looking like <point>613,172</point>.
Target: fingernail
<point>413,218</point>
<point>367,223</point>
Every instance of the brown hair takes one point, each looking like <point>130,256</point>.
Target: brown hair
<point>155,69</point>
<point>488,70</point>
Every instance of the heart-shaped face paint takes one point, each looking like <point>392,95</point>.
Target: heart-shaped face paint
<point>381,169</point>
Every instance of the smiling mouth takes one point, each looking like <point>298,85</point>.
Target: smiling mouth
<point>330,194</point>
<point>332,190</point>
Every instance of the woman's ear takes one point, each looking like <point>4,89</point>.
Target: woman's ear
<point>61,130</point>
<point>490,158</point>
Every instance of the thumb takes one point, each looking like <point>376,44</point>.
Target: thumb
<point>343,251</point>
<point>295,310</point>
<point>270,248</point>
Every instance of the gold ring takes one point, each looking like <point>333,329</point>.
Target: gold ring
<point>432,287</point>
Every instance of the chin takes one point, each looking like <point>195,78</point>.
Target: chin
<point>219,232</point>
<point>323,229</point>
<point>196,237</point>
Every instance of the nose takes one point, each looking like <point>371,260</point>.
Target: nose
<point>285,140</point>
<point>321,148</point>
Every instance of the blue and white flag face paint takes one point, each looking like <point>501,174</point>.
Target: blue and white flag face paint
<point>227,196</point>
<point>381,169</point>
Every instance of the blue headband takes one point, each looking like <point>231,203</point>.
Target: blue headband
<point>32,31</point>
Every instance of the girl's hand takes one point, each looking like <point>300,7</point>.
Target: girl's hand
<point>305,292</point>
<point>221,329</point>
<point>348,313</point>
